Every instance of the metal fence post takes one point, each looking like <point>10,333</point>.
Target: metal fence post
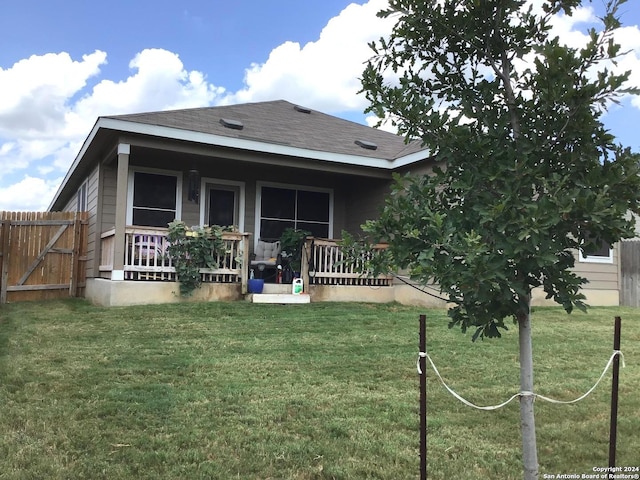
<point>614,395</point>
<point>422,361</point>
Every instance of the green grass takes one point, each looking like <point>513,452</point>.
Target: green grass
<point>323,391</point>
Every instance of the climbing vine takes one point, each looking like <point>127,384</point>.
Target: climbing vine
<point>192,249</point>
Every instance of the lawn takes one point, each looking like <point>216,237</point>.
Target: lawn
<point>320,391</point>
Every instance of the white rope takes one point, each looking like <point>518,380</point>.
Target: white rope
<point>615,352</point>
<point>519,394</point>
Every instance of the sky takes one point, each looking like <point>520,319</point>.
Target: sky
<point>64,63</point>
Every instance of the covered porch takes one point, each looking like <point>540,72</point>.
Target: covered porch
<point>139,269</point>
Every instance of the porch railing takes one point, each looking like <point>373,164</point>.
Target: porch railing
<point>147,256</point>
<point>323,262</point>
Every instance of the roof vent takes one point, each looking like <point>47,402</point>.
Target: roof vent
<point>366,145</point>
<point>300,109</point>
<point>232,124</point>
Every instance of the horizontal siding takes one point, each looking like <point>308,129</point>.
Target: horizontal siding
<point>364,201</point>
<point>190,210</point>
<point>601,276</point>
<point>92,207</point>
<point>71,205</point>
<point>250,209</point>
<point>109,198</point>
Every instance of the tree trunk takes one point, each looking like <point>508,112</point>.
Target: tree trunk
<point>527,421</point>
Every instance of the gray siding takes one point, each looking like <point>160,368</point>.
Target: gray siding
<point>93,243</point>
<point>71,205</point>
<point>364,200</point>
<point>601,276</point>
<point>92,207</point>
<point>109,197</point>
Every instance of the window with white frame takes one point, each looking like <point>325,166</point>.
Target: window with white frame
<point>601,253</point>
<point>302,208</point>
<point>154,198</point>
<point>81,199</point>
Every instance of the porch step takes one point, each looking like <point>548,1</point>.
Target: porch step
<point>279,288</point>
<point>279,298</point>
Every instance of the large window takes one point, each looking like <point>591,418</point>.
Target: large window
<point>154,198</point>
<point>294,207</point>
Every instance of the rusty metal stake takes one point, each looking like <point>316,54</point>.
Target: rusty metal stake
<point>614,395</point>
<point>422,362</point>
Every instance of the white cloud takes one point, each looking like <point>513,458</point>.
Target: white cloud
<point>386,125</point>
<point>323,74</point>
<point>29,194</point>
<point>53,106</point>
<point>40,88</point>
<point>629,39</point>
<point>55,99</point>
<point>159,82</point>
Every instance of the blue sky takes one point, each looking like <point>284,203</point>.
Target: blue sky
<point>65,62</point>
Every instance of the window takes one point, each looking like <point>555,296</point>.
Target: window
<point>154,198</point>
<point>81,200</point>
<point>301,208</point>
<point>597,254</point>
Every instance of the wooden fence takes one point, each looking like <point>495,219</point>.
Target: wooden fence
<point>42,255</point>
<point>630,273</point>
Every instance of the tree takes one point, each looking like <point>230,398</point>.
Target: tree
<point>526,172</point>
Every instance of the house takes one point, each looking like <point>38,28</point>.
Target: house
<point>261,167</point>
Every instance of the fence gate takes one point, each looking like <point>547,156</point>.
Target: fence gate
<point>630,273</point>
<point>42,255</point>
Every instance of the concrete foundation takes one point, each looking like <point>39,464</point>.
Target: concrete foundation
<point>338,293</point>
<point>595,298</point>
<point>111,293</point>
<point>121,293</point>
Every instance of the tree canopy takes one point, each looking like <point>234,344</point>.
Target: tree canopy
<point>525,172</point>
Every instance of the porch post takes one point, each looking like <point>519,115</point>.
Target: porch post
<point>122,182</point>
<point>304,263</point>
<point>244,272</point>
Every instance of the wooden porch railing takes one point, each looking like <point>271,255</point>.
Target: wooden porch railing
<point>147,256</point>
<point>322,265</point>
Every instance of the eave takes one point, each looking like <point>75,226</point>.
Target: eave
<point>125,127</point>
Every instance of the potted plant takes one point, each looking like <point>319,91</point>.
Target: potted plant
<point>291,242</point>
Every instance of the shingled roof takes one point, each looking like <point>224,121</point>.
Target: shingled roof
<point>283,123</point>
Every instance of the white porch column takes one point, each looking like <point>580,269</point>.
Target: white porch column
<point>122,186</point>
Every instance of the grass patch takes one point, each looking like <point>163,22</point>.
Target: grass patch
<point>323,391</point>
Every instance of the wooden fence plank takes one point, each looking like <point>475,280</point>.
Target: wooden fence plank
<point>30,288</point>
<point>630,273</point>
<point>4,271</point>
<point>42,255</point>
<point>75,253</point>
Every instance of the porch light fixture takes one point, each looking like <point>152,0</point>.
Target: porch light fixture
<point>366,145</point>
<point>232,124</point>
<point>194,185</point>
